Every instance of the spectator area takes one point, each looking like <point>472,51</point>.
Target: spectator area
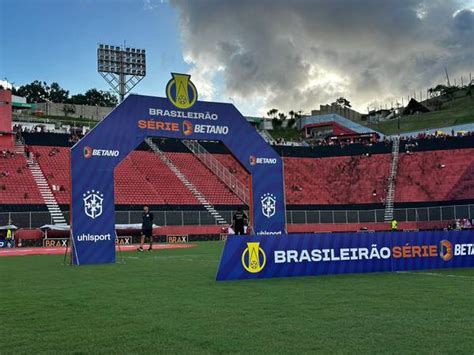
<point>436,176</point>
<point>17,185</point>
<point>336,180</point>
<point>142,178</point>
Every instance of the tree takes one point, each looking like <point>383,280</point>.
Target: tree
<point>68,108</point>
<point>78,99</point>
<point>58,94</point>
<point>470,89</point>
<point>272,113</point>
<point>100,98</point>
<point>443,90</point>
<point>276,122</point>
<point>109,98</point>
<point>291,122</point>
<point>282,116</point>
<point>343,102</point>
<point>94,97</point>
<point>292,114</point>
<point>36,91</point>
<point>438,90</point>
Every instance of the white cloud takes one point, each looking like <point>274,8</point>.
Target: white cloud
<point>299,54</point>
<point>5,84</point>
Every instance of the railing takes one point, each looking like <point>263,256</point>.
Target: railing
<point>419,214</point>
<point>18,118</point>
<point>193,189</point>
<point>219,170</point>
<point>193,218</point>
<point>390,200</point>
<point>267,136</point>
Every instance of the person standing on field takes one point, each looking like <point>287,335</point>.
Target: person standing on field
<point>394,225</point>
<point>239,222</point>
<point>147,228</point>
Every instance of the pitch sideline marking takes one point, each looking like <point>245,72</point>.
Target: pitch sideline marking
<point>435,274</point>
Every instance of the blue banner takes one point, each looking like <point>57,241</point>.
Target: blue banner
<point>180,115</point>
<point>7,243</point>
<point>326,254</point>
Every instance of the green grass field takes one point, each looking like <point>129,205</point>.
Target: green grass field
<point>167,301</point>
<point>457,112</point>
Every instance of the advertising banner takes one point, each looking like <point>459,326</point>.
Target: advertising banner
<point>292,255</point>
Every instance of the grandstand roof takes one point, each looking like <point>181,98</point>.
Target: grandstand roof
<point>414,107</point>
<point>358,128</point>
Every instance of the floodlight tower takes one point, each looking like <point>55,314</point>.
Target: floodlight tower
<point>122,67</point>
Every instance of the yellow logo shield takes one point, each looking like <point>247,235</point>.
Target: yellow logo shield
<point>181,91</point>
<point>253,258</point>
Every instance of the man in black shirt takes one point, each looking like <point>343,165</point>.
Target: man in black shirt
<point>147,228</point>
<point>239,221</point>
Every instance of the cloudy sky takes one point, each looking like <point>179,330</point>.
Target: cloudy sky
<point>296,55</point>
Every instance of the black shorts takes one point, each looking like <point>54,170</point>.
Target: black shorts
<point>239,229</point>
<point>147,232</point>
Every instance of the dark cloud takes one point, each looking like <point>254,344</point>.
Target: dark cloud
<point>299,54</point>
<point>464,21</point>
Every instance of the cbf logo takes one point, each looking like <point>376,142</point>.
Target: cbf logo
<point>268,205</point>
<point>253,258</point>
<point>93,203</point>
<point>181,91</point>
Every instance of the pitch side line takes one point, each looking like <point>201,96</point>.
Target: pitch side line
<point>435,274</point>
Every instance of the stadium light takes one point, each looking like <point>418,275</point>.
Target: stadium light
<point>122,67</point>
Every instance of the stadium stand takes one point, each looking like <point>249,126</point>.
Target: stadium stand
<point>351,179</point>
<point>336,180</point>
<point>234,167</point>
<point>134,188</point>
<point>17,185</point>
<point>54,162</point>
<point>206,182</point>
<point>162,179</point>
<point>436,176</point>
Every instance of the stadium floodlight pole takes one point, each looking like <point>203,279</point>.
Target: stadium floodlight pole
<point>122,67</point>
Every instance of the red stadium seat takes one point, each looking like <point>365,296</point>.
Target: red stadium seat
<point>142,178</point>
<point>19,182</point>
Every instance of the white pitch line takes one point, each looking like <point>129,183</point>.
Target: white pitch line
<point>435,274</point>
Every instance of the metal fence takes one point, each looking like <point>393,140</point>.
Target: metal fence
<point>419,214</point>
<point>192,218</point>
<point>161,218</point>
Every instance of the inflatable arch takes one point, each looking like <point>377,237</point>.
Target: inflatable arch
<point>182,116</point>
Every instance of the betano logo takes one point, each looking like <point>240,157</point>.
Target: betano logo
<point>445,250</point>
<point>253,258</point>
<point>87,152</point>
<point>254,160</point>
<point>190,128</point>
<point>187,128</point>
<point>91,152</point>
<point>181,91</point>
